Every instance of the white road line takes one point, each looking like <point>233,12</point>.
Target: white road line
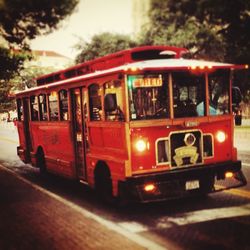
<point>246,164</point>
<point>133,226</point>
<point>140,240</point>
<point>203,216</point>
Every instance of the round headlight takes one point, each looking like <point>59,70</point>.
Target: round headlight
<point>220,136</point>
<point>140,145</point>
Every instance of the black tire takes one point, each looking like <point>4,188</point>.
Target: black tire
<point>103,184</point>
<point>40,162</point>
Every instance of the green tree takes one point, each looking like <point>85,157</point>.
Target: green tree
<point>216,29</point>
<point>21,21</point>
<point>101,45</point>
<point>11,63</point>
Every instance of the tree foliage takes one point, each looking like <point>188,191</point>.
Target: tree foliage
<point>213,29</point>
<point>101,45</point>
<point>21,21</point>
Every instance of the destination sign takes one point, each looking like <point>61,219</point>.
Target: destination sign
<point>149,81</point>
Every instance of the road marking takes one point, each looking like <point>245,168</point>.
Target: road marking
<point>239,192</point>
<point>9,140</point>
<point>140,240</point>
<point>203,216</point>
<point>246,164</point>
<point>133,227</point>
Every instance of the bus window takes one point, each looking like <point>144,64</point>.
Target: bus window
<point>53,106</point>
<point>113,102</point>
<point>219,92</point>
<point>63,101</point>
<point>95,104</point>
<point>188,94</point>
<point>43,108</point>
<point>19,110</point>
<point>34,108</point>
<point>148,96</point>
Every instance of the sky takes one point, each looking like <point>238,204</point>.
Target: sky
<point>90,17</point>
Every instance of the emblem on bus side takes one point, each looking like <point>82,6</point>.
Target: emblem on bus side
<point>188,151</point>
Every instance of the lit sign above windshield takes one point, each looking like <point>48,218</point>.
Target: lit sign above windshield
<point>145,81</point>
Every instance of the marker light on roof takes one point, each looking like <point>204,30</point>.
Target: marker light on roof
<point>134,69</point>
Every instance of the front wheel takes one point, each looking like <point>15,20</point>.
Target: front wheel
<point>40,161</point>
<point>103,184</point>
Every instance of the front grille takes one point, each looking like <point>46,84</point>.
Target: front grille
<point>186,148</point>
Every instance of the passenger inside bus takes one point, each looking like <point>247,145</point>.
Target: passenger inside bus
<point>112,111</point>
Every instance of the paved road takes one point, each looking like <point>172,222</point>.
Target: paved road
<point>221,221</point>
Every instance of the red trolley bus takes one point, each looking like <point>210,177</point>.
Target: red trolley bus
<point>142,124</point>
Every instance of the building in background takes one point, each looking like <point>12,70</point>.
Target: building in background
<point>140,11</point>
<point>49,59</point>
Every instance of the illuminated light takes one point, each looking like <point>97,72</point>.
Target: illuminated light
<point>193,67</point>
<point>229,174</point>
<point>246,66</point>
<point>210,67</point>
<point>202,67</point>
<point>134,69</point>
<point>149,187</point>
<point>220,136</point>
<point>141,145</point>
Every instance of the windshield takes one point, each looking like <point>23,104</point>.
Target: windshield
<point>218,83</point>
<point>148,96</point>
<point>188,94</point>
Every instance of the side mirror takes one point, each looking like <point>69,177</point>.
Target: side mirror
<point>236,96</point>
<point>110,103</point>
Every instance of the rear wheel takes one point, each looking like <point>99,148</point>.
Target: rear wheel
<point>40,161</point>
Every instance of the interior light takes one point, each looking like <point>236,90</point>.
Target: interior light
<point>229,174</point>
<point>221,136</point>
<point>141,145</point>
<point>149,187</point>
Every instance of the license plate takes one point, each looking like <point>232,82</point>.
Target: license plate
<point>190,185</point>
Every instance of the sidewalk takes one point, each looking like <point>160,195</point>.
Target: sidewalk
<point>33,219</point>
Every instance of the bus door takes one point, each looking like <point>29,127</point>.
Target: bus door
<point>26,120</point>
<point>78,118</point>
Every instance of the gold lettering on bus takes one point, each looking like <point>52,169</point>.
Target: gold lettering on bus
<point>184,152</point>
<point>147,82</point>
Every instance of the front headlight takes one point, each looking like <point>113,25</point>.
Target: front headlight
<point>220,136</point>
<point>141,145</point>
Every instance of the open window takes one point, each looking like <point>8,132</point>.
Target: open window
<point>19,110</point>
<point>43,107</point>
<point>63,104</point>
<point>113,101</point>
<point>53,106</point>
<point>95,103</point>
<point>34,108</point>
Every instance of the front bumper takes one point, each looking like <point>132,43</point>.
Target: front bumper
<point>173,184</point>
